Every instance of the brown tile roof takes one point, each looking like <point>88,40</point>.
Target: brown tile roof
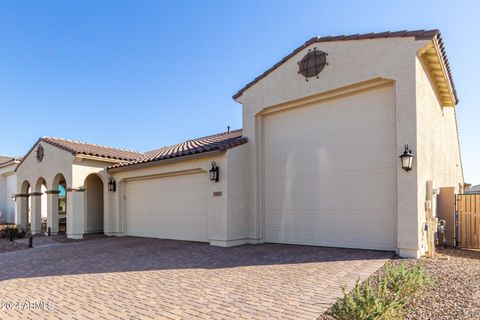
<point>7,159</point>
<point>418,34</point>
<point>218,142</point>
<point>78,147</point>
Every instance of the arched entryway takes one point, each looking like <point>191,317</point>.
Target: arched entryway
<point>24,216</point>
<point>38,221</point>
<point>94,204</point>
<point>57,220</point>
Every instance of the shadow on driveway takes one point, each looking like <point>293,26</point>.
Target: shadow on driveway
<point>126,254</point>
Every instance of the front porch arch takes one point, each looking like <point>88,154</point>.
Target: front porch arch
<point>23,205</point>
<point>94,204</point>
<point>38,205</point>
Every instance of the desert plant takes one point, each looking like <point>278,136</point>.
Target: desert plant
<point>367,302</point>
<point>12,232</point>
<point>382,297</point>
<point>405,282</point>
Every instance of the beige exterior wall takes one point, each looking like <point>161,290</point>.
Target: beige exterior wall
<point>438,150</point>
<point>237,208</point>
<point>75,171</point>
<point>226,226</point>
<point>8,187</point>
<point>54,161</point>
<point>350,62</point>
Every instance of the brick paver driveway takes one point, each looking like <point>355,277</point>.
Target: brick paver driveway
<point>138,278</point>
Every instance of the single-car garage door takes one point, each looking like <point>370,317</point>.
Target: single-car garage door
<point>330,173</point>
<point>173,207</point>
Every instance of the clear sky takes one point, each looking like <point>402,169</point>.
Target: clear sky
<point>144,74</point>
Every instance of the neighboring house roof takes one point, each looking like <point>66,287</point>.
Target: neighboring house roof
<point>218,142</point>
<point>418,34</point>
<point>78,147</point>
<point>474,189</point>
<point>4,160</point>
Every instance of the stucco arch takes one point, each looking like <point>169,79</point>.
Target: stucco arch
<point>59,177</point>
<point>56,219</point>
<point>39,205</point>
<point>23,201</point>
<point>40,182</point>
<point>95,203</point>
<point>25,187</point>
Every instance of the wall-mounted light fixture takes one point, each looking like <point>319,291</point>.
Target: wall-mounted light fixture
<point>112,185</point>
<point>214,172</point>
<point>407,159</point>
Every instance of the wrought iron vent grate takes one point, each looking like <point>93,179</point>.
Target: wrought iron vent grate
<point>312,63</point>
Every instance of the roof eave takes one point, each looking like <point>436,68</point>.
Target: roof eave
<point>9,163</point>
<point>433,34</point>
<point>165,161</point>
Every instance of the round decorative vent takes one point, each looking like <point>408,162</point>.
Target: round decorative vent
<point>312,63</point>
<point>40,153</point>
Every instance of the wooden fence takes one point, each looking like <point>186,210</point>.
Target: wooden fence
<point>468,220</point>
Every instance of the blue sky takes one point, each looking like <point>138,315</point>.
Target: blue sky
<point>144,74</point>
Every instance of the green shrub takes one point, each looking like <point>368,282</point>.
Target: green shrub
<point>367,302</point>
<point>12,232</point>
<point>405,282</point>
<point>382,297</point>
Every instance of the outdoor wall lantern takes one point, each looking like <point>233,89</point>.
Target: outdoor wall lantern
<point>214,172</point>
<point>407,159</point>
<point>112,185</point>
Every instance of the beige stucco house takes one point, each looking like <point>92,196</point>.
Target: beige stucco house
<point>317,161</point>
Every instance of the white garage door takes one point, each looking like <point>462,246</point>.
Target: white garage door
<point>330,171</point>
<point>168,208</point>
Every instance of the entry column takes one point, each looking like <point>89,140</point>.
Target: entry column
<point>36,212</point>
<point>52,211</point>
<point>75,213</point>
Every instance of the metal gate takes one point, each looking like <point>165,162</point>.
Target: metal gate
<point>467,220</point>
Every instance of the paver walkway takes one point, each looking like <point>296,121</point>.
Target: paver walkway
<point>139,278</point>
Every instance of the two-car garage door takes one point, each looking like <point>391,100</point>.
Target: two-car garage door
<point>169,207</point>
<point>330,173</point>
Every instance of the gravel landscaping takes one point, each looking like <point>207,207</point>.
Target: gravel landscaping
<point>40,240</point>
<point>6,245</point>
<point>456,292</point>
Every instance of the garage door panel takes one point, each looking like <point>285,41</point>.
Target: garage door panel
<point>329,221</point>
<point>332,167</point>
<point>304,181</point>
<point>323,160</point>
<point>333,117</point>
<point>313,141</point>
<point>375,241</point>
<point>169,208</point>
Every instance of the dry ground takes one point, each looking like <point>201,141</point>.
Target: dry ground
<point>456,292</point>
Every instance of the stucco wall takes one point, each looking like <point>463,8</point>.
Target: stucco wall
<point>349,62</point>
<point>55,161</point>
<point>236,194</point>
<point>438,151</point>
<point>94,204</point>
<point>11,188</point>
<point>8,187</point>
<point>218,231</point>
